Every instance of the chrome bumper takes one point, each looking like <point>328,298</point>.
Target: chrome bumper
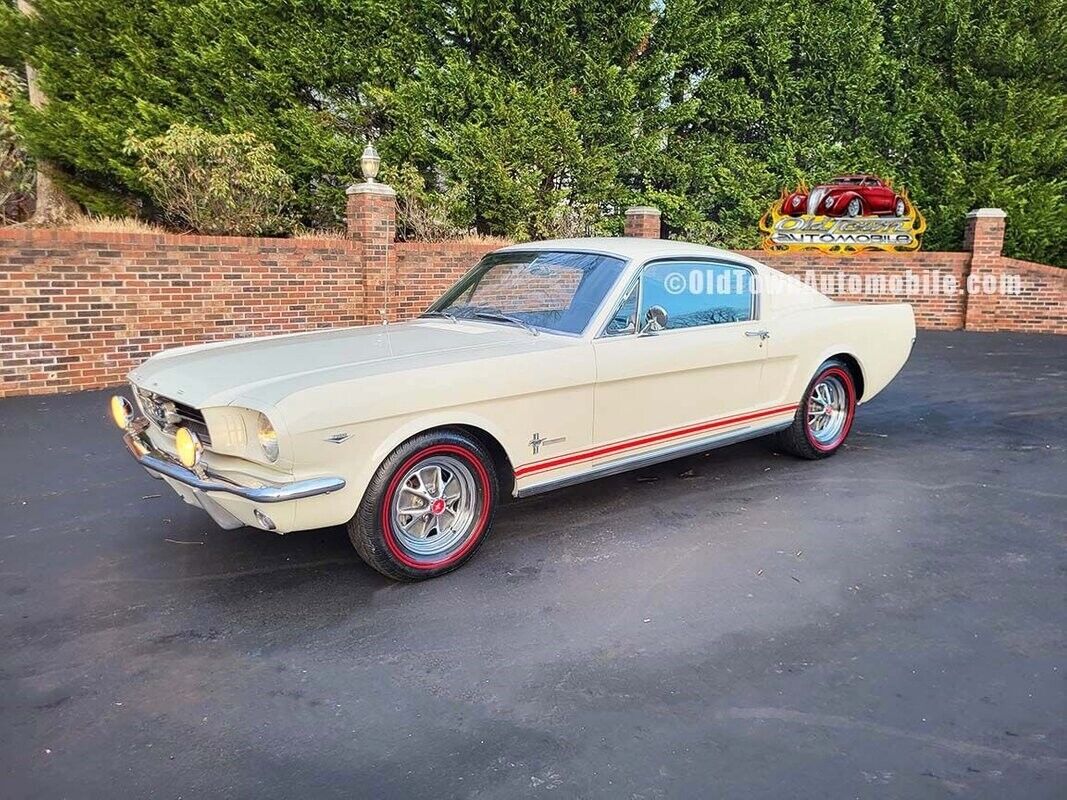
<point>161,464</point>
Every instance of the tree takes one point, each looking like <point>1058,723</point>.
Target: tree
<point>961,102</point>
<point>51,202</point>
<point>16,168</point>
<point>214,183</point>
<point>528,107</point>
<point>546,117</point>
<point>981,99</point>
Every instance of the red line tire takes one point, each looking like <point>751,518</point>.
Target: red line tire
<point>825,414</point>
<point>428,508</point>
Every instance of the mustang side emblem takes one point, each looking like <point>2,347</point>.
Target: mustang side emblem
<point>537,441</point>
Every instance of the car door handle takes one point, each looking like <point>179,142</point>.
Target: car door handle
<point>760,334</point>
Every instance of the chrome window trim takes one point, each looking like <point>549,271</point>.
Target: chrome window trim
<point>754,304</point>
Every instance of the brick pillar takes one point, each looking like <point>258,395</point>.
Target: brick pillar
<point>371,218</point>
<point>643,222</point>
<point>984,238</point>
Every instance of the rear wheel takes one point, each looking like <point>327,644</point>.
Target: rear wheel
<point>428,508</point>
<point>824,418</point>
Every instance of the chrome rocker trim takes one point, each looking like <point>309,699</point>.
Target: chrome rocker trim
<point>159,464</point>
<point>655,457</point>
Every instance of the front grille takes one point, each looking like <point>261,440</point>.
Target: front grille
<point>193,419</point>
<point>815,200</point>
<point>169,415</point>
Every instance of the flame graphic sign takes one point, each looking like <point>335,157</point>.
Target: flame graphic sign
<point>848,214</point>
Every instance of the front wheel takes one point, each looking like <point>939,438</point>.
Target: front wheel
<point>824,418</point>
<point>855,207</point>
<point>427,508</point>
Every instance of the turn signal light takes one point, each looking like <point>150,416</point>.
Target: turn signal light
<point>188,446</point>
<point>121,411</point>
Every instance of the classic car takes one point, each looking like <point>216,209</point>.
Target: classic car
<point>847,196</point>
<point>547,364</point>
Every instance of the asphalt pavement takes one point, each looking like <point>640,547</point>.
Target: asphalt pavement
<point>888,623</point>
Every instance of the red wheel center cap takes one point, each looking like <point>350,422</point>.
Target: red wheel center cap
<point>437,506</point>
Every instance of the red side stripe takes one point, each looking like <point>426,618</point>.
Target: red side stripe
<point>588,455</point>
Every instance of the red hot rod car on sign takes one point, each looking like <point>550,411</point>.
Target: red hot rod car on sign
<point>848,196</point>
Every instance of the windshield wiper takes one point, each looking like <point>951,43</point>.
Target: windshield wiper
<point>445,314</point>
<point>494,314</point>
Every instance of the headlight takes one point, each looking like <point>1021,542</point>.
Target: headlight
<point>268,438</point>
<point>829,202</point>
<point>188,446</point>
<point>796,202</point>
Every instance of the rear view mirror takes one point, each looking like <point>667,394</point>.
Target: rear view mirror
<point>655,320</point>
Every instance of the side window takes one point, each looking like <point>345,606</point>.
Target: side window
<point>625,319</point>
<point>695,294</point>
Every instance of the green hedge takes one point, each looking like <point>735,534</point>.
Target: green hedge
<point>548,117</point>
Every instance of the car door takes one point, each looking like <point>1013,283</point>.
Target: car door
<point>663,384</point>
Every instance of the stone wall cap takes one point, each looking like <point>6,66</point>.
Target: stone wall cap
<point>987,212</point>
<point>371,188</point>
<point>650,210</point>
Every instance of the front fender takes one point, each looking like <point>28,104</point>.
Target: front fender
<point>841,202</point>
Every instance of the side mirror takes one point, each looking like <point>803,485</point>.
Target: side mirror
<point>655,320</point>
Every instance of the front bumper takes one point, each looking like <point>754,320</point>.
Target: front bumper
<point>161,464</point>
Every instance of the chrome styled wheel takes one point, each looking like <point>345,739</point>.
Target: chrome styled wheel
<point>824,417</point>
<point>899,208</point>
<point>433,506</point>
<point>855,207</point>
<point>428,507</point>
<point>829,409</point>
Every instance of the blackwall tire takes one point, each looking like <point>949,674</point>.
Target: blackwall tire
<point>824,417</point>
<point>428,508</point>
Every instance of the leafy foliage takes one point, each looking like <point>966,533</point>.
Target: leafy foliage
<point>547,117</point>
<point>16,168</point>
<point>213,183</point>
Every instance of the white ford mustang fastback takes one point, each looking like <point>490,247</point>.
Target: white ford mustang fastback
<point>547,364</point>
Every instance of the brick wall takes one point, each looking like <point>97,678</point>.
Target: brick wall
<point>1039,307</point>
<point>425,269</point>
<point>833,274</point>
<point>79,310</point>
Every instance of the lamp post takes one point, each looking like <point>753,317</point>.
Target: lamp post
<point>371,218</point>
<point>369,163</point>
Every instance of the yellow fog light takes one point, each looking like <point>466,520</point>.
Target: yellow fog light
<point>189,447</point>
<point>121,411</point>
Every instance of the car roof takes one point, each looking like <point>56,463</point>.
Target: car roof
<point>630,248</point>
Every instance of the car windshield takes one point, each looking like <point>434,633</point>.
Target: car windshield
<point>543,289</point>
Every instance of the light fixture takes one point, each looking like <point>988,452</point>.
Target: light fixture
<point>268,438</point>
<point>121,411</point>
<point>188,446</point>
<point>369,163</point>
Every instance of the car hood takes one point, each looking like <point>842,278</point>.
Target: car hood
<point>263,370</point>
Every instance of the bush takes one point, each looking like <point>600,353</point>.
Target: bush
<point>16,168</point>
<point>214,183</point>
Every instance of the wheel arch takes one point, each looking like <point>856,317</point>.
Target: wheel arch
<point>505,470</point>
<point>847,197</point>
<point>854,369</point>
<point>479,429</point>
